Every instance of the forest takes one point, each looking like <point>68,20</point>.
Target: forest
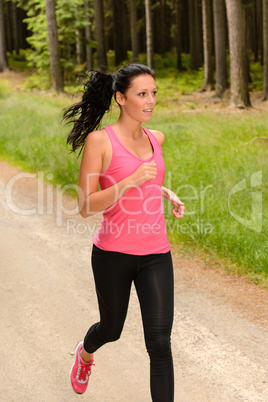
<point>59,38</point>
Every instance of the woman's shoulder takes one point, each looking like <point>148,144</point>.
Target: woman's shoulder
<point>98,137</point>
<point>159,136</point>
<point>97,141</point>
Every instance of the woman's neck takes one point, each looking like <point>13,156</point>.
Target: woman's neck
<point>128,127</point>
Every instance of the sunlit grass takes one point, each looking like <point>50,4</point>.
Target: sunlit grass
<point>206,156</point>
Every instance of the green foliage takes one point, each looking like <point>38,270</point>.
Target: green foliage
<point>71,20</point>
<point>38,55</point>
<point>70,16</point>
<point>17,62</point>
<point>38,81</point>
<point>256,72</point>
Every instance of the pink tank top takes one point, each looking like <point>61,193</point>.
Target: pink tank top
<point>135,224</point>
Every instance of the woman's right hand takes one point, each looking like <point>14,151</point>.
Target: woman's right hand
<point>147,171</point>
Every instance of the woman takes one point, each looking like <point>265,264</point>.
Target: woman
<point>131,244</point>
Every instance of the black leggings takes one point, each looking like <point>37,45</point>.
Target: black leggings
<point>153,278</point>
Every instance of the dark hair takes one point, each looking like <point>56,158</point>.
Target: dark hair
<point>87,114</point>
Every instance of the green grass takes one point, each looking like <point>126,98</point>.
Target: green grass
<point>206,155</point>
<point>32,135</point>
<point>17,62</point>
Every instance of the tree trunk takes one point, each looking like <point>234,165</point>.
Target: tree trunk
<point>133,27</point>
<point>149,34</point>
<point>15,28</point>
<point>125,29</point>
<point>238,56</point>
<point>207,40</point>
<point>99,33</point>
<point>169,23</point>
<point>22,29</point>
<point>89,55</point>
<point>185,39</point>
<point>195,51</point>
<point>220,46</point>
<point>260,27</point>
<point>178,40</point>
<point>248,35</point>
<point>79,48</point>
<point>118,32</point>
<point>162,23</point>
<point>8,26</point>
<point>255,33</point>
<point>3,57</point>
<point>53,44</point>
<point>265,49</point>
<point>142,31</point>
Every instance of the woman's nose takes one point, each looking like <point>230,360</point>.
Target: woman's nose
<point>150,100</point>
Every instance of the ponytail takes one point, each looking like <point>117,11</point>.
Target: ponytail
<point>87,114</point>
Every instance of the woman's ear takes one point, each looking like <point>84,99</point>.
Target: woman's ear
<point>120,98</point>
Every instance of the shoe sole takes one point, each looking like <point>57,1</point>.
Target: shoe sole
<point>75,353</point>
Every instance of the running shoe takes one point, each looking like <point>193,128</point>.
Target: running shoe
<point>80,372</point>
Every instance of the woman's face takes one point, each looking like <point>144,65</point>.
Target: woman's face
<point>140,99</point>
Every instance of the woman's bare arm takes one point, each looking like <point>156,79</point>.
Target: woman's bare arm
<point>92,201</point>
<point>179,208</point>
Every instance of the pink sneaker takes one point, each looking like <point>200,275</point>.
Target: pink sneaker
<point>80,372</point>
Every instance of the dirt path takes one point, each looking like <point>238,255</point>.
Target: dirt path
<point>47,302</point>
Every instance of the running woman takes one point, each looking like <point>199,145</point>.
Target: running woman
<point>131,245</point>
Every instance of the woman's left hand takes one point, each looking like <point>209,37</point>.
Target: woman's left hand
<point>179,208</point>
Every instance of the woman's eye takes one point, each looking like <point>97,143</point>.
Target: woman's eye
<point>141,94</point>
<point>154,93</point>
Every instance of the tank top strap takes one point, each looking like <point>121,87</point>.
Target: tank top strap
<point>112,136</point>
<point>153,140</point>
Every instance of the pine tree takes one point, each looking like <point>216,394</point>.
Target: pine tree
<point>238,56</point>
<point>3,57</point>
<point>207,40</point>
<point>265,50</point>
<point>54,53</point>
<point>149,34</point>
<point>220,46</point>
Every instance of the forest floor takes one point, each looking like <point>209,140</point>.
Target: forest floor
<point>195,102</point>
<point>48,301</point>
